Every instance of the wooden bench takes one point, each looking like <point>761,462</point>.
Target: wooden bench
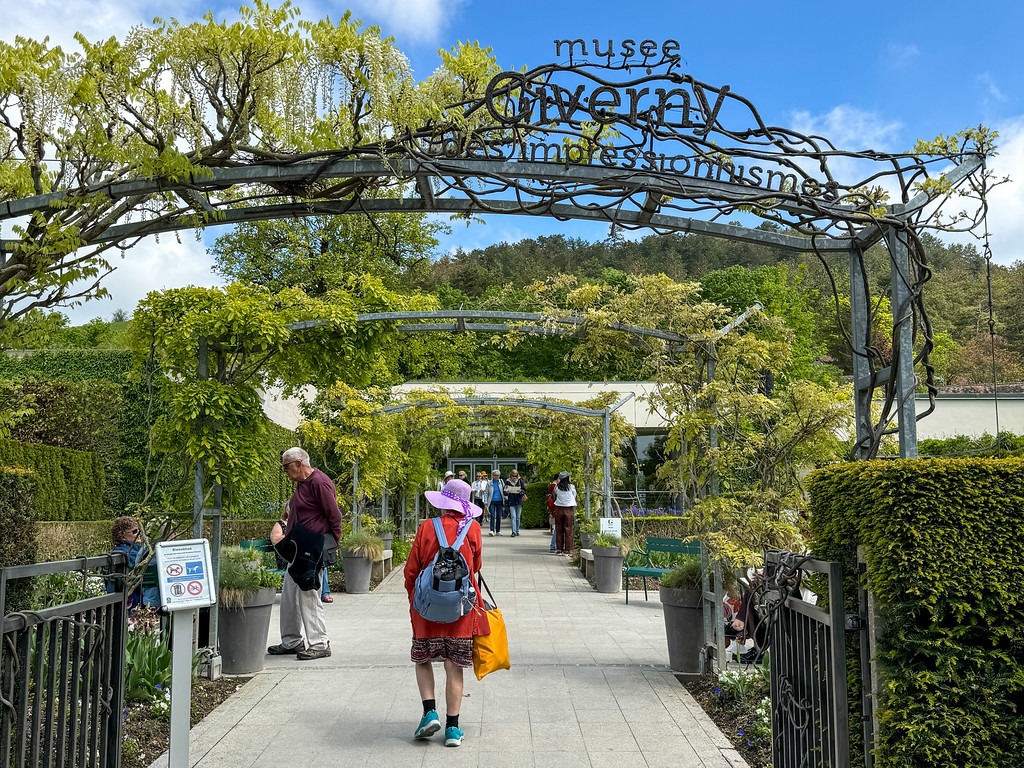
<point>587,562</point>
<point>638,562</point>
<point>261,545</point>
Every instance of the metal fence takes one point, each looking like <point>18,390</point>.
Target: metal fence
<point>62,673</point>
<point>807,644</point>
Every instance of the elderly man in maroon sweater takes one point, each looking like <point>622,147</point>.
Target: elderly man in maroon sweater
<point>313,505</point>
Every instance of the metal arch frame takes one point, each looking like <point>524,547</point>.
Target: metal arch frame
<point>536,405</point>
<point>670,185</point>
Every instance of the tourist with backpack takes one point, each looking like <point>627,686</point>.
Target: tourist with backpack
<point>445,605</point>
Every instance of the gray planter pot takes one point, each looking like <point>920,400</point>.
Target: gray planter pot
<point>608,568</point>
<point>357,572</point>
<point>587,540</point>
<point>684,629</point>
<point>387,537</point>
<point>243,632</point>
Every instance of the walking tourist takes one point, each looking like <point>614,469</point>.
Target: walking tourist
<point>450,643</point>
<point>496,501</point>
<point>480,490</point>
<point>551,511</point>
<point>515,489</point>
<point>312,512</point>
<point>565,509</point>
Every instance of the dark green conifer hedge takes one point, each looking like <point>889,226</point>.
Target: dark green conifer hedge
<point>944,542</point>
<point>70,483</point>
<point>18,542</point>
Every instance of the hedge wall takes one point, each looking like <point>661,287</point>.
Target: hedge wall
<point>943,546</point>
<point>271,487</point>
<point>84,365</point>
<point>63,540</point>
<point>18,542</point>
<point>70,483</point>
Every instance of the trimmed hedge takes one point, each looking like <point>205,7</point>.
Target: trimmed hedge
<point>89,365</point>
<point>945,562</point>
<point>70,483</point>
<point>535,508</point>
<point>18,543</point>
<point>271,488</point>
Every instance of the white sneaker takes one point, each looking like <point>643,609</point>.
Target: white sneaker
<point>491,533</point>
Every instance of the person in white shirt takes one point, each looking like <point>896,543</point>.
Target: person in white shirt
<point>565,511</point>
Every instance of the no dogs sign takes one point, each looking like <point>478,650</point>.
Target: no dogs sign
<point>186,579</point>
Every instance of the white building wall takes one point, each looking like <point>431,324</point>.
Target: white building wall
<point>971,415</point>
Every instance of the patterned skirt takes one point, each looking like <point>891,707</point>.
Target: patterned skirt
<point>457,650</point>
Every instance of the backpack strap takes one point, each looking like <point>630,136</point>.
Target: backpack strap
<point>442,537</point>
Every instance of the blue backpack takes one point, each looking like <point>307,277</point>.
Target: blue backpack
<point>443,592</point>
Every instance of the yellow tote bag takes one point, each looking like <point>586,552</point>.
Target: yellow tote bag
<point>490,652</point>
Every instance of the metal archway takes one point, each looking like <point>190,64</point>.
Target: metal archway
<point>622,137</point>
<point>535,405</point>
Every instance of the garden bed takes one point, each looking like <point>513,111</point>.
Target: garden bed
<point>146,731</point>
<point>734,710</point>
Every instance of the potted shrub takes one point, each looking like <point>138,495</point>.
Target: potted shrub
<point>386,531</point>
<point>681,599</point>
<point>359,550</point>
<point>588,532</point>
<point>608,554</point>
<point>245,599</point>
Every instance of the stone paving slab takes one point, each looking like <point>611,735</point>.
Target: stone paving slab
<point>589,685</point>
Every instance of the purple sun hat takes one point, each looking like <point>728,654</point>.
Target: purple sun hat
<point>455,496</point>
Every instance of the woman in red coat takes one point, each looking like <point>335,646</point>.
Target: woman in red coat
<point>451,643</point>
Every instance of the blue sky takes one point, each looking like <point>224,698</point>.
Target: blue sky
<point>879,76</point>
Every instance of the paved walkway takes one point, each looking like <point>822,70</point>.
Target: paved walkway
<point>589,685</point>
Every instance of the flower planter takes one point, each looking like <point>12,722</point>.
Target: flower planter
<point>243,632</point>
<point>386,537</point>
<point>357,572</point>
<point>608,568</point>
<point>587,540</point>
<point>684,629</point>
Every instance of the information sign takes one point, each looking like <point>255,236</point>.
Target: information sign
<point>612,526</point>
<point>186,578</point>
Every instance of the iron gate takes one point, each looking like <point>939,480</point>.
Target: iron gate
<point>62,673</point>
<point>807,644</point>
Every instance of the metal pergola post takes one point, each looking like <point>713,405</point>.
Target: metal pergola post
<point>606,481</point>
<point>903,330</point>
<point>859,311</point>
<point>586,480</point>
<point>712,430</point>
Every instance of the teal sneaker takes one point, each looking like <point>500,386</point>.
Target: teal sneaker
<point>452,737</point>
<point>429,725</point>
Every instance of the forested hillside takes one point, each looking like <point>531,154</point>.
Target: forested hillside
<point>795,287</point>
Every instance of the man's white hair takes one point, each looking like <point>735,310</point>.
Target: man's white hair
<point>295,454</point>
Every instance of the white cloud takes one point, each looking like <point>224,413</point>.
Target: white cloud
<point>990,92</point>
<point>849,128</point>
<point>899,55</point>
<point>60,19</point>
<point>413,20</point>
<point>1006,202</point>
<point>149,266</point>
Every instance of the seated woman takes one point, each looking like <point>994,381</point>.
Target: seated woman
<point>126,533</point>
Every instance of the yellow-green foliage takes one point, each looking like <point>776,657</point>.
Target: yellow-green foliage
<point>943,541</point>
<point>70,483</point>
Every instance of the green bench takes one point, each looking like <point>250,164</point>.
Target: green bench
<point>261,545</point>
<point>639,562</point>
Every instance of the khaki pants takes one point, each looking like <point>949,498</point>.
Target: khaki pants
<point>302,617</point>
